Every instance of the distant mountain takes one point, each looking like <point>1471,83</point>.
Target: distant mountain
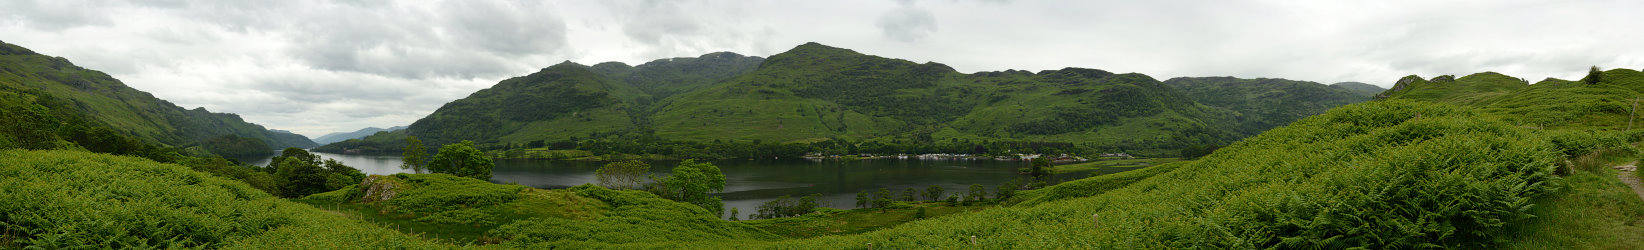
<point>1264,103</point>
<point>78,93</point>
<point>1360,87</point>
<point>816,93</point>
<point>362,133</point>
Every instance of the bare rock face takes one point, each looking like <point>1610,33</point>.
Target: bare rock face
<point>380,188</point>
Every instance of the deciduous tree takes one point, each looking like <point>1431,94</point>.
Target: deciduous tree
<point>462,159</point>
<point>414,156</point>
<point>622,174</point>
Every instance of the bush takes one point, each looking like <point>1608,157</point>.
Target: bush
<point>453,193</point>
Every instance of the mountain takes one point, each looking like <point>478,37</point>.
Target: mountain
<point>1264,103</point>
<point>71,92</point>
<point>362,133</point>
<point>1550,103</point>
<point>816,93</point>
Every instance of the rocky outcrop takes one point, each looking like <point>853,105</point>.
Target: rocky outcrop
<point>380,188</point>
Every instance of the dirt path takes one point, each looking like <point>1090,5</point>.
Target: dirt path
<point>1631,179</point>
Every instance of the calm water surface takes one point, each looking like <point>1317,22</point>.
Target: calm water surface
<point>749,183</point>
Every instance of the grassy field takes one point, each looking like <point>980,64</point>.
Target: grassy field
<point>855,221</point>
<point>1100,164</point>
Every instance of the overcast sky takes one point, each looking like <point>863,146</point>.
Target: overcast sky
<point>316,67</point>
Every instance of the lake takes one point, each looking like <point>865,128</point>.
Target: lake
<point>750,183</point>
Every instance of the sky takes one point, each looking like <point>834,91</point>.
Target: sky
<point>317,67</point>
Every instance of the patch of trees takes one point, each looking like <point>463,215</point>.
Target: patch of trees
<point>692,182</point>
<point>462,159</point>
<point>786,206</point>
<point>299,173</point>
<point>231,145</point>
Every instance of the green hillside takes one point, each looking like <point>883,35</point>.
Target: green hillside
<point>104,101</point>
<point>1264,103</point>
<point>814,93</point>
<point>1550,103</point>
<point>558,102</point>
<point>67,199</point>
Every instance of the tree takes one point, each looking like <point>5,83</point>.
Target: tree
<point>933,192</point>
<point>298,178</point>
<point>908,194</point>
<point>622,174</point>
<point>693,182</point>
<point>977,193</point>
<point>1007,189</point>
<point>302,156</point>
<point>733,214</point>
<point>882,199</point>
<point>340,176</point>
<point>462,159</point>
<point>414,156</point>
<point>1593,75</point>
<point>862,199</point>
<point>1040,167</point>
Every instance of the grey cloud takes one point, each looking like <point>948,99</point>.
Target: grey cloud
<point>907,24</point>
<point>53,15</point>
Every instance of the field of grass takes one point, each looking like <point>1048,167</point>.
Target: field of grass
<point>856,221</point>
<point>1100,164</point>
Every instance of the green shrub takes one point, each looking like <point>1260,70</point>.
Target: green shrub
<point>633,217</point>
<point>453,193</point>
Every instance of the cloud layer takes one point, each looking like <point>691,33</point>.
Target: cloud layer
<point>316,67</point>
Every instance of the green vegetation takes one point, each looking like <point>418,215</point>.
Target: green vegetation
<point>67,199</point>
<point>831,222</point>
<point>52,86</point>
<point>692,182</point>
<point>819,99</point>
<point>299,173</point>
<point>461,159</point>
<point>1100,164</point>
<point>1264,103</point>
<point>415,155</point>
<point>623,175</point>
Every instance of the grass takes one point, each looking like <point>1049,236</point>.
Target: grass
<point>69,199</point>
<point>1098,165</point>
<point>1592,211</point>
<point>856,221</point>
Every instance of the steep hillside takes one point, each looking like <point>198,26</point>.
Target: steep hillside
<point>665,77</point>
<point>362,133</point>
<point>1264,103</point>
<point>105,101</point>
<point>558,102</point>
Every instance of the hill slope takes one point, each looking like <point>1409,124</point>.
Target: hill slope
<point>106,101</point>
<point>1264,103</point>
<point>1550,103</point>
<point>816,93</point>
